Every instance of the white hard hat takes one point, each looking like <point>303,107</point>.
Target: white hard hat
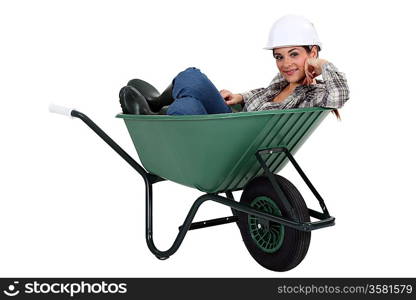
<point>292,30</point>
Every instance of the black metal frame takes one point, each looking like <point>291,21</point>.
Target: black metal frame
<point>324,217</point>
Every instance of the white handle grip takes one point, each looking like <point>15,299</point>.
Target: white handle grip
<point>58,109</point>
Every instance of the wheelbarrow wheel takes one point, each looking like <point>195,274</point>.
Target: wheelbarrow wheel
<point>274,246</point>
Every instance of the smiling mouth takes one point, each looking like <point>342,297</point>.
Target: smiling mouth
<point>290,72</point>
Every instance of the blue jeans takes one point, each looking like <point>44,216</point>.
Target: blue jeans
<point>195,94</point>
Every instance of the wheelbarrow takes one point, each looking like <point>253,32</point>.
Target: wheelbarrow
<point>222,153</point>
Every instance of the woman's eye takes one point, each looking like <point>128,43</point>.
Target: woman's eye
<point>280,57</point>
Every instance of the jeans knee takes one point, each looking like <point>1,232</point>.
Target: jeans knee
<point>189,72</point>
<point>191,78</point>
<point>192,71</point>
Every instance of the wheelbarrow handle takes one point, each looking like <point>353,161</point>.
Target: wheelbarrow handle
<point>58,109</point>
<point>73,113</point>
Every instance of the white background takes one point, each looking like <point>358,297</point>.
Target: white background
<point>69,206</point>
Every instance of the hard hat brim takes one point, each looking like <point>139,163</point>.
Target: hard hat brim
<point>284,46</point>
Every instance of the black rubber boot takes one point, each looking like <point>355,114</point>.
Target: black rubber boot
<point>155,100</point>
<point>164,99</point>
<point>133,102</point>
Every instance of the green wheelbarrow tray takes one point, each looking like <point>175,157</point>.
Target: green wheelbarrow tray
<point>223,153</point>
<point>215,153</point>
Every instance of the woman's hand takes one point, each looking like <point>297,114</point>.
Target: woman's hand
<point>230,98</point>
<point>313,68</point>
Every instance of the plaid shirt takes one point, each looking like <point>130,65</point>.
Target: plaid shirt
<point>332,92</point>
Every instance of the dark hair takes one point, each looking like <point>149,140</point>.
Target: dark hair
<point>309,49</point>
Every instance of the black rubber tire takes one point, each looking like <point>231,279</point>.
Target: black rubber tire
<point>295,243</point>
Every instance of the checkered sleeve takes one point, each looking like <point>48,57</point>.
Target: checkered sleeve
<point>336,89</point>
<point>251,95</point>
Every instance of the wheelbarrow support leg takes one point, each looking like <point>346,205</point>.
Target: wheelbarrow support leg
<point>187,224</point>
<point>183,229</point>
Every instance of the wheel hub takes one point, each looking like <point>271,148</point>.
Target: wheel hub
<point>267,235</point>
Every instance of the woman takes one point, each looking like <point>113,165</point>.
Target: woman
<point>295,45</point>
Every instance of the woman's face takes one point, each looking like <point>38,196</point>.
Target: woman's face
<point>291,62</point>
